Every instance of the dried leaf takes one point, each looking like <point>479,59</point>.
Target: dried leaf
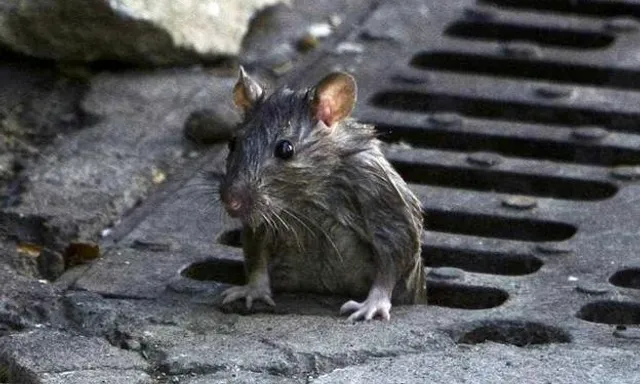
<point>29,249</point>
<point>81,253</point>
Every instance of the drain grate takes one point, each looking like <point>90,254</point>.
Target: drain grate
<point>509,119</point>
<point>517,123</point>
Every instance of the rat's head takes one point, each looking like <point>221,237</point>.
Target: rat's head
<point>285,149</point>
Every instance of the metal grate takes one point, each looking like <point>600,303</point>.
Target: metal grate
<point>518,125</point>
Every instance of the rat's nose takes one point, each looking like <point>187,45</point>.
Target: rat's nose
<point>234,207</point>
<point>236,200</point>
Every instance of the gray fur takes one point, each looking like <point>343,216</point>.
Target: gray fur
<point>334,217</point>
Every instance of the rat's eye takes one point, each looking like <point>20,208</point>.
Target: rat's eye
<point>231,144</point>
<point>284,149</point>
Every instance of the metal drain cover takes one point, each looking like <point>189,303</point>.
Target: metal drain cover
<point>518,125</point>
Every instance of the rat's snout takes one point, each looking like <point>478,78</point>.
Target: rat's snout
<point>237,200</point>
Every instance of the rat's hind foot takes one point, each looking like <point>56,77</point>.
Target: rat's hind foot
<point>249,292</point>
<point>368,309</point>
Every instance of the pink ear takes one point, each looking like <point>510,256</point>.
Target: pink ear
<point>324,110</point>
<point>334,98</point>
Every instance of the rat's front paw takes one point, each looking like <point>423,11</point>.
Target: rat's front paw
<point>368,309</point>
<point>249,292</point>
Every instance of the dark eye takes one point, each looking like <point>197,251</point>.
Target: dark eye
<point>284,149</point>
<point>231,144</point>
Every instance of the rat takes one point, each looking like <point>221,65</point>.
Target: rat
<point>322,209</point>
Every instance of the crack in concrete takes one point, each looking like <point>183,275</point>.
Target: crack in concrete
<point>314,364</point>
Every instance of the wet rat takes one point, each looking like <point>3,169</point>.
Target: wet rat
<point>322,209</point>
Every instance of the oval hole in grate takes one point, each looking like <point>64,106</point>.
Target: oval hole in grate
<point>610,312</point>
<point>527,69</point>
<point>505,110</point>
<point>220,270</point>
<point>518,333</point>
<point>431,137</point>
<point>597,8</point>
<point>626,278</point>
<point>504,182</point>
<point>463,296</point>
<point>232,238</point>
<point>497,227</point>
<point>497,263</point>
<point>544,36</point>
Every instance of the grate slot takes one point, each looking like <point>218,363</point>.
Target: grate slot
<point>463,296</point>
<point>597,8</point>
<point>515,332</point>
<point>491,262</point>
<point>510,67</point>
<point>221,270</point>
<point>433,138</point>
<point>626,278</point>
<point>496,226</point>
<point>542,35</point>
<point>503,182</point>
<point>505,110</point>
<point>610,312</point>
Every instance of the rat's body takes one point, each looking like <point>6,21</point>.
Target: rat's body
<point>323,210</point>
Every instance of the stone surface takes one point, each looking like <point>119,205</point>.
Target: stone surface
<point>109,167</point>
<point>26,303</point>
<point>138,31</point>
<point>34,353</point>
<point>492,363</point>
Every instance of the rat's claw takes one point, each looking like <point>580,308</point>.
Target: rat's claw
<point>368,309</point>
<point>250,293</point>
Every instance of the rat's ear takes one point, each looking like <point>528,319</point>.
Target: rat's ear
<point>246,91</point>
<point>334,98</point>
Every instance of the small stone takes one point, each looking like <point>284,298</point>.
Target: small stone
<point>592,288</point>
<point>622,24</point>
<point>320,30</point>
<point>485,159</point>
<point>158,176</point>
<point>349,48</point>
<point>519,202</point>
<point>445,119</point>
<point>335,20</point>
<point>572,278</point>
<point>521,49</point>
<point>553,91</point>
<point>629,173</point>
<point>447,273</point>
<point>589,133</point>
